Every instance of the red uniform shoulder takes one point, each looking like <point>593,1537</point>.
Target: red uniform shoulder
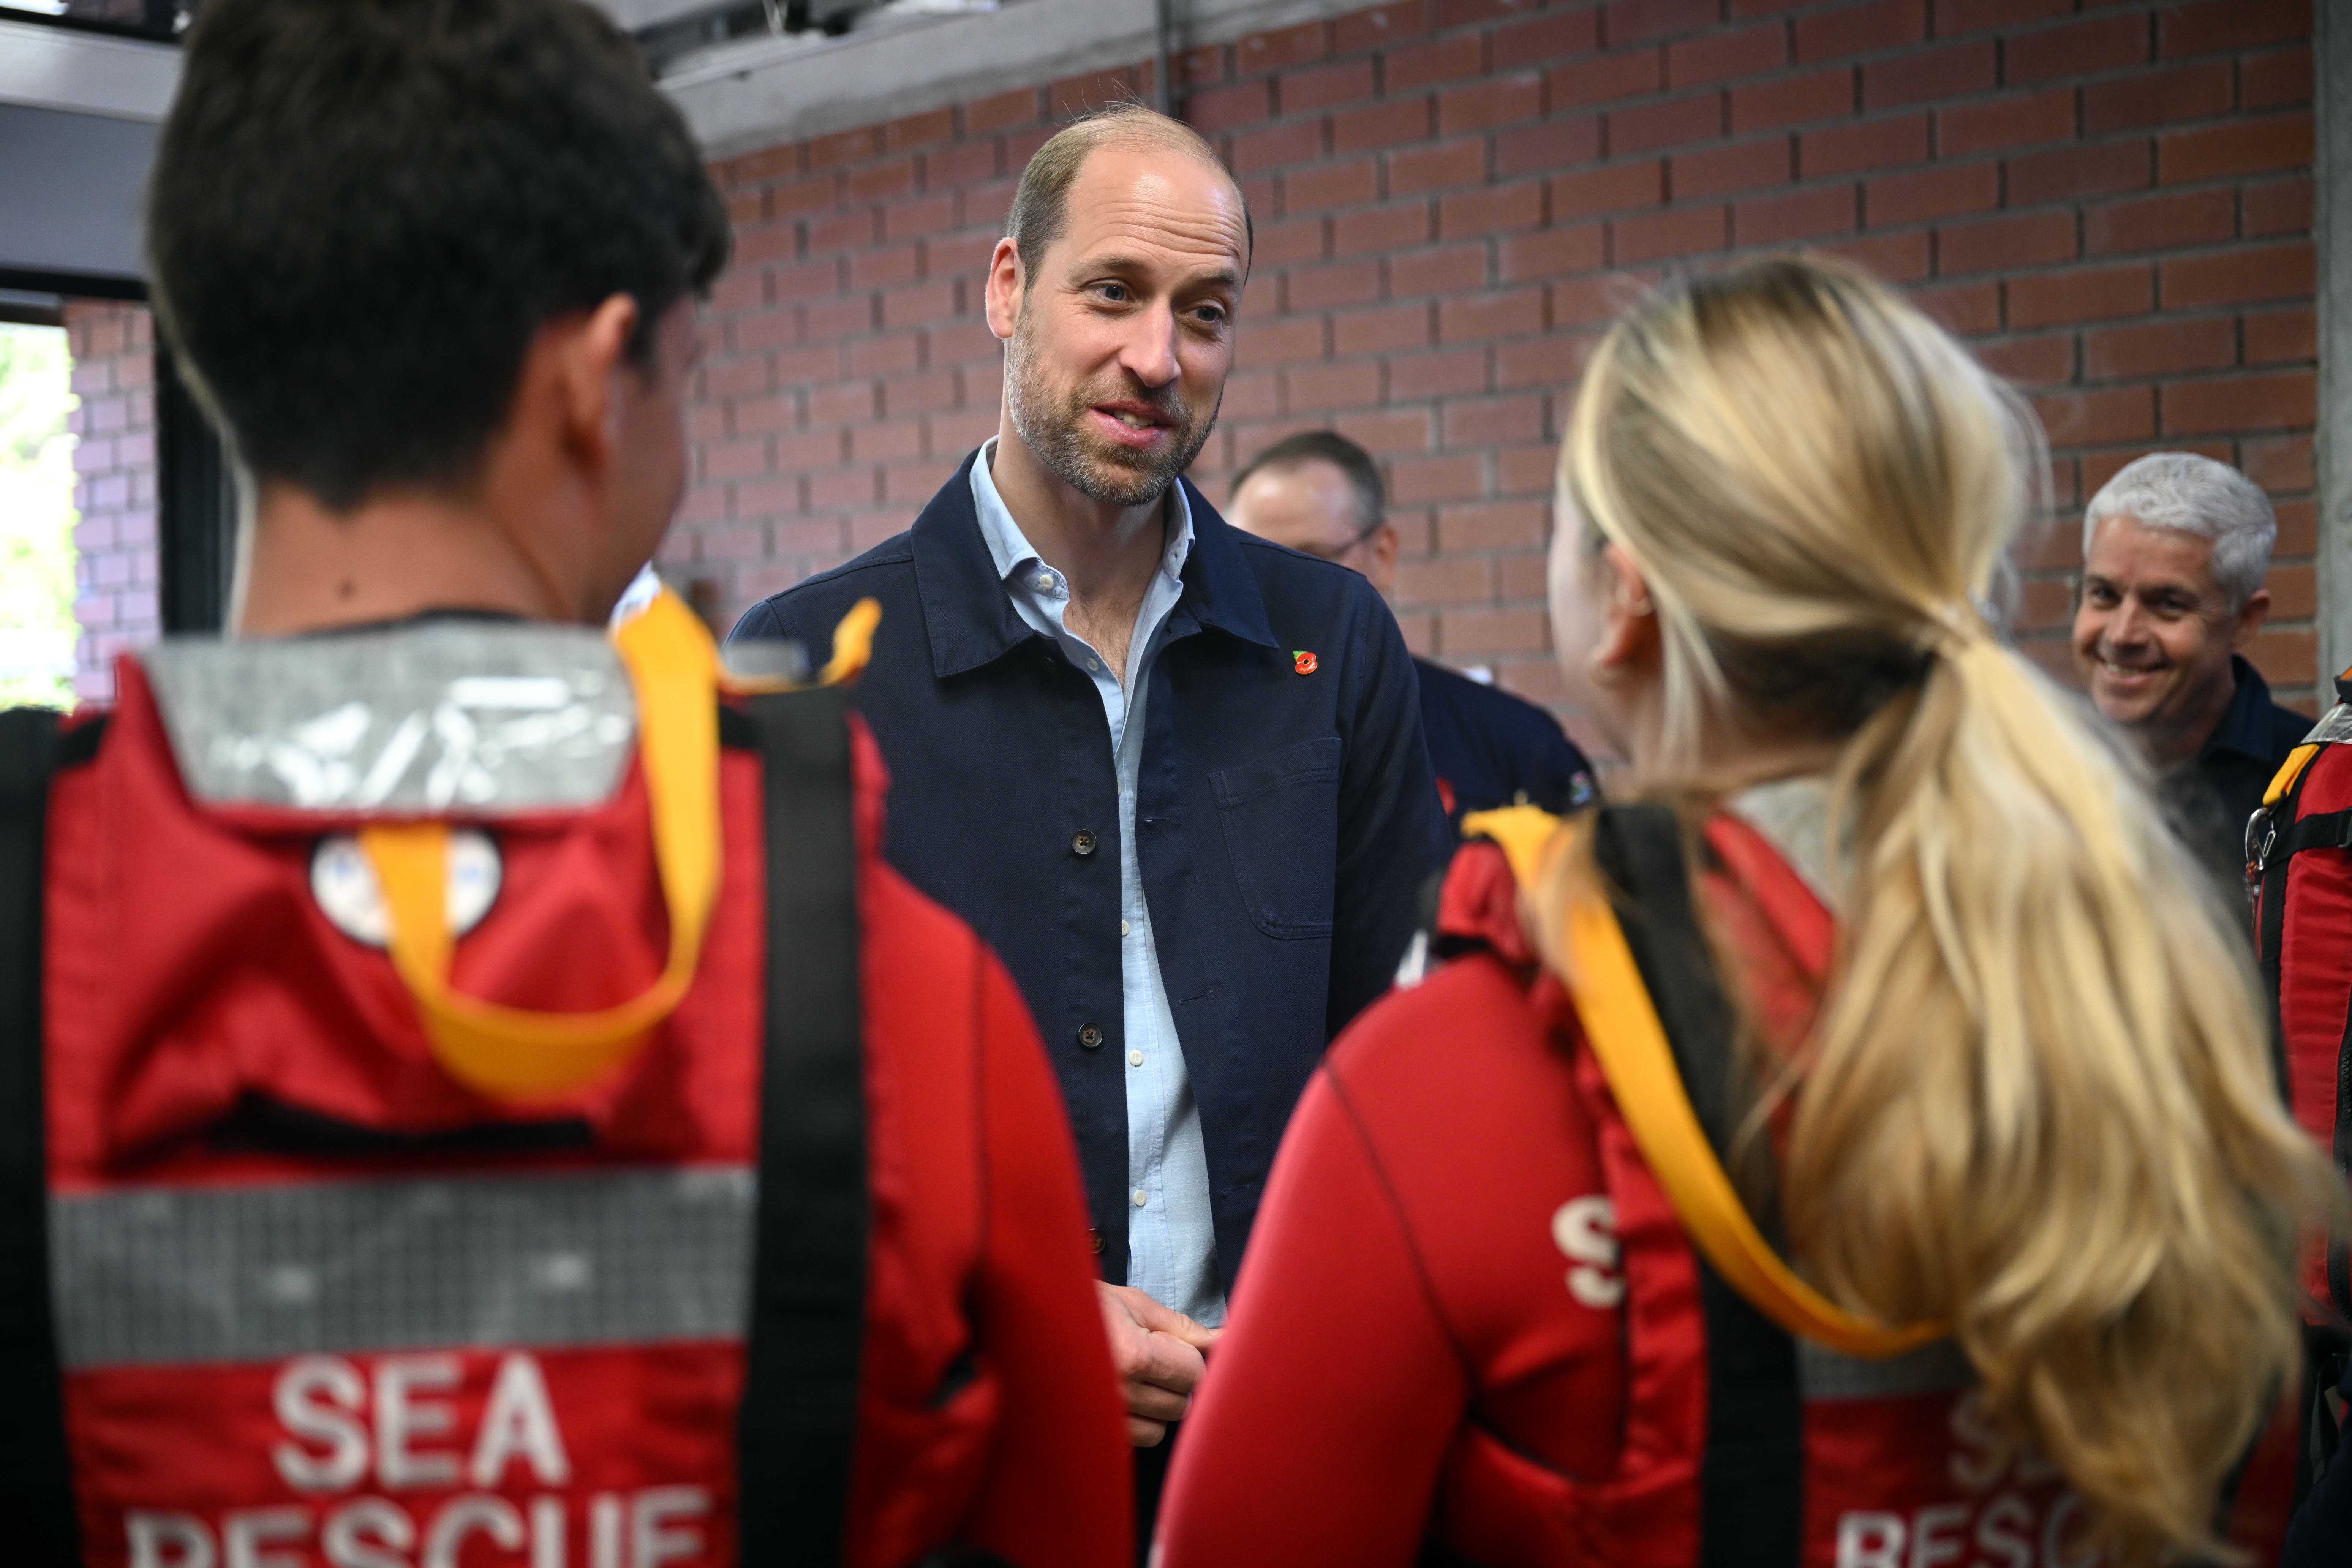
<point>1463,1091</point>
<point>1478,905</point>
<point>2327,782</point>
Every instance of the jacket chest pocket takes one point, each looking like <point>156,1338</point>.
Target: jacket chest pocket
<point>1280,814</point>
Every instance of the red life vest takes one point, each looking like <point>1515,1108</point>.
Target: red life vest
<point>316,1301</point>
<point>1744,1444</point>
<point>2299,870</point>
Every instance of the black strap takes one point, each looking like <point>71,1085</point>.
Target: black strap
<point>2328,830</point>
<point>799,1414</point>
<point>1752,1478</point>
<point>35,1481</point>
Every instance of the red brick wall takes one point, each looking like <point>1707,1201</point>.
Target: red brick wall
<point>2112,200</point>
<point>113,350</point>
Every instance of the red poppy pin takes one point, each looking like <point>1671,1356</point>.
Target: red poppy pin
<point>1302,661</point>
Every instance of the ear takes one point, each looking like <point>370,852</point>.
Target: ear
<point>2251,616</point>
<point>1005,286</point>
<point>1629,633</point>
<point>1384,555</point>
<point>590,352</point>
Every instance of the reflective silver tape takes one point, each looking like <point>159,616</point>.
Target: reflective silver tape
<point>190,1275</point>
<point>2334,726</point>
<point>1825,1373</point>
<point>447,717</point>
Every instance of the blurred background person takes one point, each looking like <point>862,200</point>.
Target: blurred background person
<point>1928,1006</point>
<point>2174,548</point>
<point>1319,492</point>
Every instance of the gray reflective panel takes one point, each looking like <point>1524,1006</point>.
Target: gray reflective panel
<point>183,1275</point>
<point>1827,1375</point>
<point>2335,725</point>
<point>450,717</point>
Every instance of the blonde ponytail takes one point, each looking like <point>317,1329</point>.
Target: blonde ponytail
<point>2038,1102</point>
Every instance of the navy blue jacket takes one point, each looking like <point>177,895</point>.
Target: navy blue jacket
<point>2210,799</point>
<point>1286,821</point>
<point>1492,749</point>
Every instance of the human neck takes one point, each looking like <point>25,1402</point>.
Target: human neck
<point>1105,553</point>
<point>393,557</point>
<point>2176,743</point>
<point>1732,756</point>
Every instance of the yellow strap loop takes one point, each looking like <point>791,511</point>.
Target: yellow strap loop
<point>516,1053</point>
<point>2289,770</point>
<point>853,643</point>
<point>853,649</point>
<point>1621,1024</point>
<point>1523,831</point>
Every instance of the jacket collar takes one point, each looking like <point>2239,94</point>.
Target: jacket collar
<point>2245,727</point>
<point>970,615</point>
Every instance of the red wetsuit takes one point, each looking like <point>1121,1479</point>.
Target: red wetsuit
<point>1470,1315</point>
<point>192,978</point>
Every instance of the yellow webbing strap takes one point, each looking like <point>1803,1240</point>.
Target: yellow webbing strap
<point>1630,1043</point>
<point>517,1052</point>
<point>2289,770</point>
<point>853,649</point>
<point>2297,761</point>
<point>1525,832</point>
<point>512,1051</point>
<point>853,643</point>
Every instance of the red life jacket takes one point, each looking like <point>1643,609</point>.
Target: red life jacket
<point>2299,870</point>
<point>1744,1444</point>
<point>312,1299</point>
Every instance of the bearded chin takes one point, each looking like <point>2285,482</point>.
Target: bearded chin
<point>1059,437</point>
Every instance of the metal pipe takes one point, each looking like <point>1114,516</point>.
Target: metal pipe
<point>1163,98</point>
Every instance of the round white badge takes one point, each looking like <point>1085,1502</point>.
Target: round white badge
<point>343,881</point>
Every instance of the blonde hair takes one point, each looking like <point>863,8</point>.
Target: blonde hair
<point>2038,1102</point>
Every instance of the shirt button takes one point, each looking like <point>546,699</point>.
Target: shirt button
<point>1043,582</point>
<point>1135,1059</point>
<point>1094,1240</point>
<point>1094,664</point>
<point>1122,928</point>
<point>1083,841</point>
<point>1141,1198</point>
<point>1090,1036</point>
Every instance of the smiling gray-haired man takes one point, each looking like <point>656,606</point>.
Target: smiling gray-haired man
<point>2175,549</point>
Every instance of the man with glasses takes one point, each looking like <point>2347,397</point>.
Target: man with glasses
<point>1319,492</point>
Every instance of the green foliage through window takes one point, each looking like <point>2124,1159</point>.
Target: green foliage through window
<point>37,518</point>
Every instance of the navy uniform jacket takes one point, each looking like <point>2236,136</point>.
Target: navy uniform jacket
<point>2210,798</point>
<point>1492,749</point>
<point>1286,821</point>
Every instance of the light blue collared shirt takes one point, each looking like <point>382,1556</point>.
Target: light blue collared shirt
<point>1171,1238</point>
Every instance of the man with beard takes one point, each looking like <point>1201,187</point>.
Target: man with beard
<point>1173,773</point>
<point>2174,548</point>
